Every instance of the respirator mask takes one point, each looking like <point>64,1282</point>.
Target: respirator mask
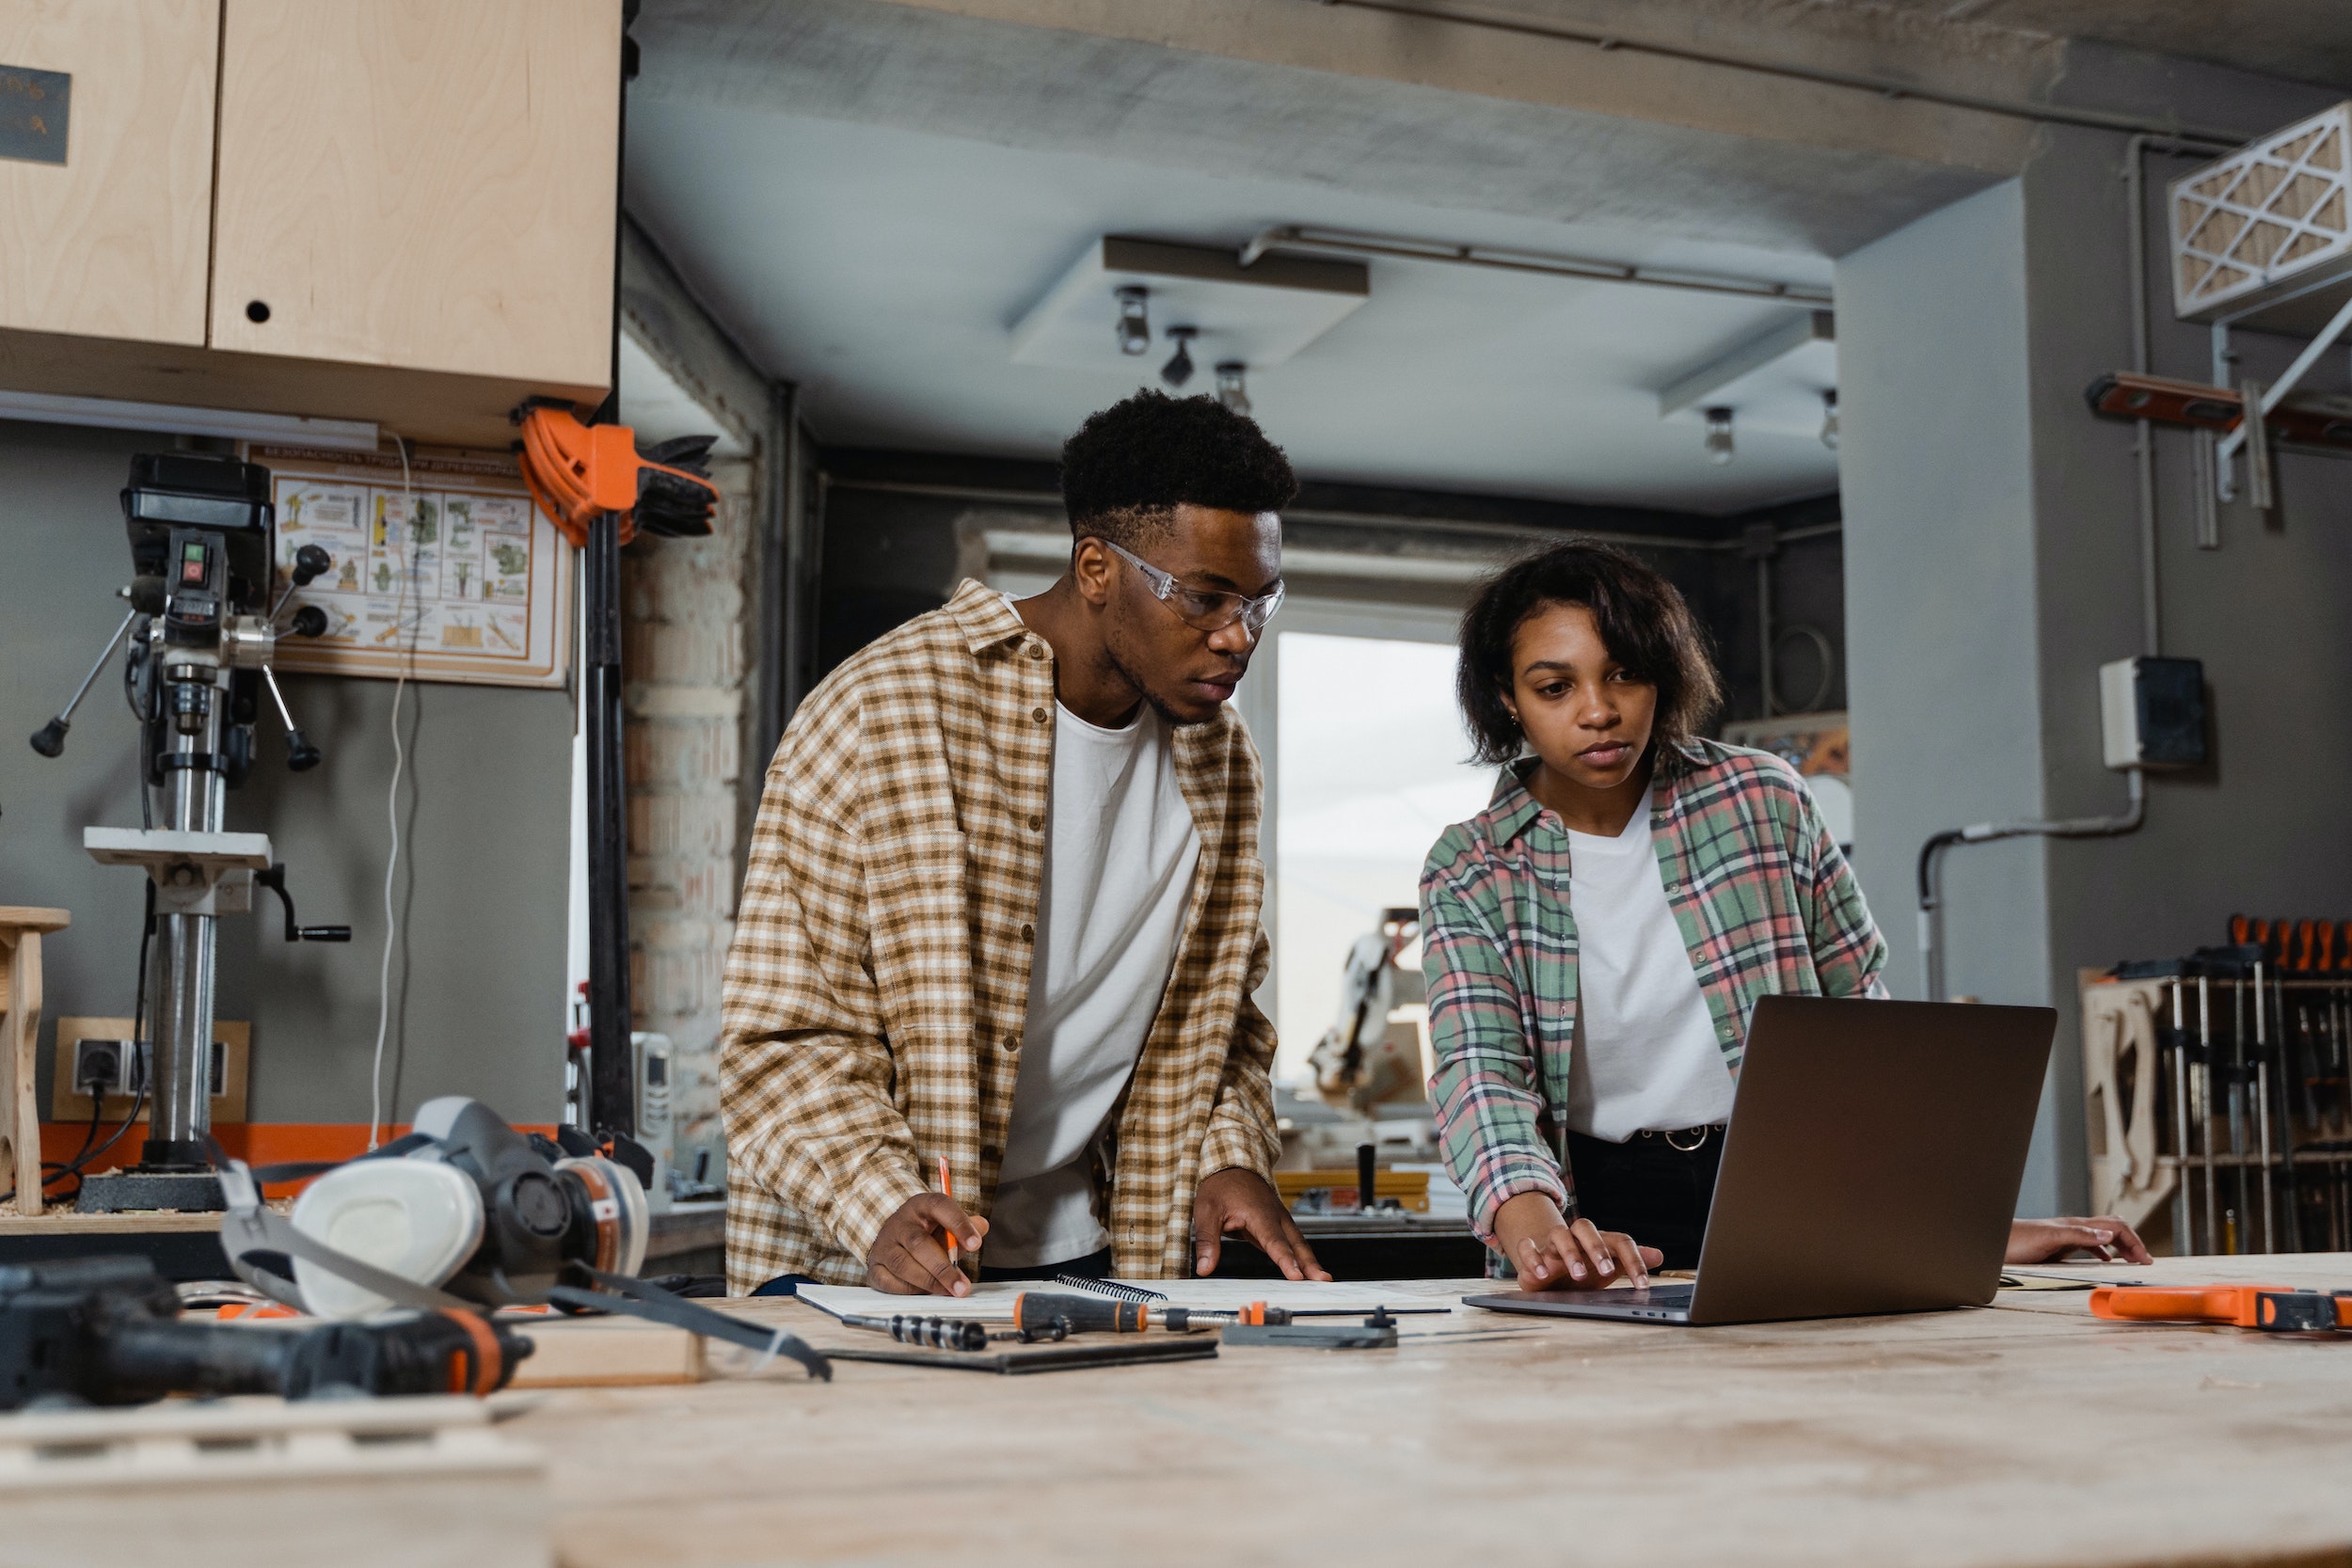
<point>464,1213</point>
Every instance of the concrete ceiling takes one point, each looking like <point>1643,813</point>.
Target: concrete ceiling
<point>2302,40</point>
<point>870,193</point>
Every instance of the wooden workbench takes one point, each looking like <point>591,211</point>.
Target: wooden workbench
<point>2027,1434</point>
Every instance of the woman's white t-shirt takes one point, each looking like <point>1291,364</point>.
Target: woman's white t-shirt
<point>1645,1055</point>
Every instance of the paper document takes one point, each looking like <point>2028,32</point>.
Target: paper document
<point>993,1303</point>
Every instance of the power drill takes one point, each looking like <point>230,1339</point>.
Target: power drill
<point>106,1330</point>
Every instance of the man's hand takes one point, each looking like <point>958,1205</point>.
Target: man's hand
<point>1235,1202</point>
<point>2047,1240</point>
<point>1549,1252</point>
<point>909,1255</point>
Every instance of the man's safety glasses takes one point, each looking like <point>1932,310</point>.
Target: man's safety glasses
<point>1203,608</point>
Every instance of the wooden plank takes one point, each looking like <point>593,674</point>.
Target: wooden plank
<point>2031,1437</point>
<point>606,1353</point>
<point>65,1222</point>
<point>427,184</point>
<point>20,1036</point>
<point>112,243</point>
<point>429,407</point>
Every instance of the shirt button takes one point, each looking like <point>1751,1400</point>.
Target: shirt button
<point>990,1154</point>
<point>1028,932</point>
<point>1036,824</point>
<point>1037,649</point>
<point>1037,714</point>
<point>1012,1044</point>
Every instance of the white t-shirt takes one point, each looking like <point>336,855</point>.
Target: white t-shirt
<point>1645,1055</point>
<point>1119,854</point>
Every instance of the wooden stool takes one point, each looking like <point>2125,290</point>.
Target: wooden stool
<point>21,930</point>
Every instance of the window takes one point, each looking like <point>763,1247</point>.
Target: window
<point>1367,770</point>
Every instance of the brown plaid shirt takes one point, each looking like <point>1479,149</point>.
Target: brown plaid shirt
<point>879,977</point>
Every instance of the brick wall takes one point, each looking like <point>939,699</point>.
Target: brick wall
<point>685,663</point>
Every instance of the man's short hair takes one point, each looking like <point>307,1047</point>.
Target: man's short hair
<point>1130,466</point>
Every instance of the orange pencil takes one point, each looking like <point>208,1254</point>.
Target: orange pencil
<point>947,1189</point>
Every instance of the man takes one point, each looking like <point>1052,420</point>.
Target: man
<point>1002,920</point>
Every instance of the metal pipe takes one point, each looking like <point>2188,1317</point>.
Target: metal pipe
<point>1764,633</point>
<point>2184,1234</point>
<point>2261,1101</point>
<point>2044,113</point>
<point>2144,448</point>
<point>2204,1098</point>
<point>180,1052</point>
<point>1931,855</point>
<point>2261,1115</point>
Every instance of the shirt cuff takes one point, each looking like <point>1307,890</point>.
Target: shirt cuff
<point>1530,1174</point>
<point>859,1213</point>
<point>1230,1146</point>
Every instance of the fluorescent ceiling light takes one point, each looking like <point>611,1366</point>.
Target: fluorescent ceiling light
<point>172,420</point>
<point>1052,550</point>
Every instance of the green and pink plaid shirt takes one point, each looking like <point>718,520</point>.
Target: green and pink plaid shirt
<point>1765,899</point>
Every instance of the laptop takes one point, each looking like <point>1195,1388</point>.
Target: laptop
<point>1871,1165</point>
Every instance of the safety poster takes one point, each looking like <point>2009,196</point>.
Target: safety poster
<point>448,572</point>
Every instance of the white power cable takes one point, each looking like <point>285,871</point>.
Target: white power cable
<point>391,800</point>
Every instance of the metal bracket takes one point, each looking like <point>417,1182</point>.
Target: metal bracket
<point>2250,437</point>
<point>206,874</point>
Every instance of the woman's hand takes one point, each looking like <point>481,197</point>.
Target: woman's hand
<point>2047,1240</point>
<point>1550,1254</point>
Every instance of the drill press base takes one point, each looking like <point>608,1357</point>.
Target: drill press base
<point>187,1190</point>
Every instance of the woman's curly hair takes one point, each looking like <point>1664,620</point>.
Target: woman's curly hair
<point>1642,617</point>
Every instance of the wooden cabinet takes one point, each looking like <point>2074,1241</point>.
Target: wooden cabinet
<point>443,201</point>
<point>110,242</point>
<point>392,210</point>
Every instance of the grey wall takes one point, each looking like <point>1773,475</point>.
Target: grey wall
<point>1945,677</point>
<point>1992,563</point>
<point>477,1003</point>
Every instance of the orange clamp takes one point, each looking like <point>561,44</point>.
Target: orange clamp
<point>2278,1308</point>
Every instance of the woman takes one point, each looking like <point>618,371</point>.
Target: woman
<point>1594,938</point>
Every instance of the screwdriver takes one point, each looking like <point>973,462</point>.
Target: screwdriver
<point>936,1333</point>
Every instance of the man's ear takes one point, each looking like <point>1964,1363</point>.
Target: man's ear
<point>1091,565</point>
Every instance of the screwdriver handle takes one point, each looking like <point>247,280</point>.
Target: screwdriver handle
<point>1034,1311</point>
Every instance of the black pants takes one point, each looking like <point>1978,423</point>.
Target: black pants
<point>1655,1193</point>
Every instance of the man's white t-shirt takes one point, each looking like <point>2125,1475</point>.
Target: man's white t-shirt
<point>1120,855</point>
<point>1645,1055</point>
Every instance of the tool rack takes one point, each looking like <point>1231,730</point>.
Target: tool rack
<point>2253,1104</point>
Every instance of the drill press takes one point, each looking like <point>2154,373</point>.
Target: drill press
<point>202,627</point>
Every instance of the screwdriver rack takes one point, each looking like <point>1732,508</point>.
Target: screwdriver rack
<point>2251,1102</point>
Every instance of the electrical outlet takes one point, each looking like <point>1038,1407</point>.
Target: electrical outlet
<point>101,1065</point>
<point>98,1052</point>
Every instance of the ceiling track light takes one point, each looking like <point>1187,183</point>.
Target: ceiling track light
<point>1135,323</point>
<point>1829,419</point>
<point>1232,390</point>
<point>1179,368</point>
<point>1719,442</point>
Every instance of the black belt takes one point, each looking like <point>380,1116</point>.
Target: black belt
<point>1685,1140</point>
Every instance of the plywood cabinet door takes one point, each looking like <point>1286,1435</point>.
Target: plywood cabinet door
<point>421,183</point>
<point>111,242</point>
